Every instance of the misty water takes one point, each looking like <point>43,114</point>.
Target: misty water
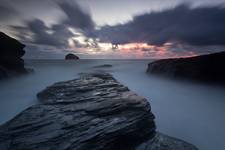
<point>193,112</point>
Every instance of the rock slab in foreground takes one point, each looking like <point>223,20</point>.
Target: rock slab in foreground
<point>11,52</point>
<point>90,113</point>
<point>207,68</point>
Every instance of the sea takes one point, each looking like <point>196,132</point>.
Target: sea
<point>191,111</point>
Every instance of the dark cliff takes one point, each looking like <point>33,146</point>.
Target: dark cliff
<point>207,68</point>
<point>11,52</point>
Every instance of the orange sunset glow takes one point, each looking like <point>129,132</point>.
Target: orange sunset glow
<point>137,51</point>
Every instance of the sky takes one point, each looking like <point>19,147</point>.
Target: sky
<point>118,29</point>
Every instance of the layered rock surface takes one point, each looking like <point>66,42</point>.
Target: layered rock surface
<point>90,113</point>
<point>11,52</point>
<point>207,68</point>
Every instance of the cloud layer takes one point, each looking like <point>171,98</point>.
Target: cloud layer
<point>36,31</point>
<point>76,17</point>
<point>177,30</point>
<point>201,26</point>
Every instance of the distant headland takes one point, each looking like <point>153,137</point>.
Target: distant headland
<point>207,68</point>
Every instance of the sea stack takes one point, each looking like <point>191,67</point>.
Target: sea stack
<point>11,52</point>
<point>206,68</point>
<point>71,57</point>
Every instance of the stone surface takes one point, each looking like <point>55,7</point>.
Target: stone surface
<point>104,66</point>
<point>11,52</point>
<point>71,57</point>
<point>94,112</point>
<point>207,68</point>
<point>164,142</point>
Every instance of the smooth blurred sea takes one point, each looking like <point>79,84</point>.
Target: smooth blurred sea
<point>193,112</point>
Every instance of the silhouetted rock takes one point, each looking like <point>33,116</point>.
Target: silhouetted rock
<point>11,52</point>
<point>103,66</point>
<point>94,112</point>
<point>71,57</point>
<point>208,68</point>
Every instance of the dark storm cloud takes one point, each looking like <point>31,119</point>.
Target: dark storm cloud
<point>7,11</point>
<point>76,17</point>
<point>200,26</point>
<point>37,32</point>
<point>57,35</point>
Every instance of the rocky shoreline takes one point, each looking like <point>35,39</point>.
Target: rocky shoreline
<point>204,68</point>
<point>92,112</point>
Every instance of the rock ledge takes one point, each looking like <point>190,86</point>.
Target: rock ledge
<point>94,112</point>
<point>205,68</point>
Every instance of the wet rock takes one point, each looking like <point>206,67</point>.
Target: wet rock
<point>164,142</point>
<point>11,52</point>
<point>94,112</point>
<point>103,66</point>
<point>207,68</point>
<point>71,57</point>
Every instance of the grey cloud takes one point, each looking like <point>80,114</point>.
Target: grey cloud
<point>7,11</point>
<point>57,35</point>
<point>78,44</point>
<point>76,17</point>
<point>37,32</point>
<point>199,26</point>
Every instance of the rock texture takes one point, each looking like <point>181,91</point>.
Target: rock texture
<point>207,68</point>
<point>163,142</point>
<point>11,52</point>
<point>71,57</point>
<point>103,66</point>
<point>94,112</point>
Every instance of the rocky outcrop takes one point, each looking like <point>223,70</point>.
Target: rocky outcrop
<point>11,52</point>
<point>94,112</point>
<point>163,142</point>
<point>103,66</point>
<point>208,68</point>
<point>71,57</point>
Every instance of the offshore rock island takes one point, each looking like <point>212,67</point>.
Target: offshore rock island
<point>71,57</point>
<point>90,113</point>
